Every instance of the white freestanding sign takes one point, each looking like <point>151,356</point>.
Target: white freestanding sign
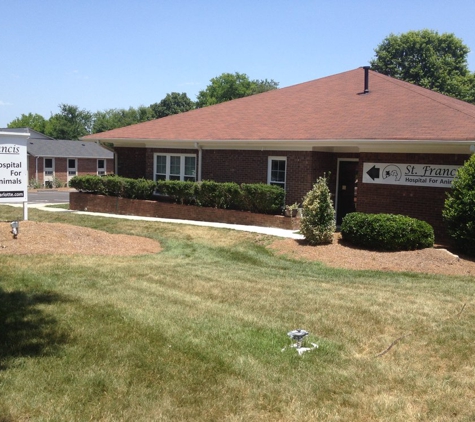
<point>13,168</point>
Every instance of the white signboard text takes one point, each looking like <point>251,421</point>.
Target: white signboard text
<point>13,169</point>
<point>432,175</point>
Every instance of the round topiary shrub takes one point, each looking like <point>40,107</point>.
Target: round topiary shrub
<point>459,208</point>
<point>386,232</point>
<point>318,215</point>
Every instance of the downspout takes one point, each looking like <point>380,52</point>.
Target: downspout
<point>200,159</point>
<point>36,169</point>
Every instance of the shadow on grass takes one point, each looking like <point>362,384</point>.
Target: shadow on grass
<point>26,330</point>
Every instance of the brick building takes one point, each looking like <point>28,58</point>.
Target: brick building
<point>52,161</point>
<point>389,146</point>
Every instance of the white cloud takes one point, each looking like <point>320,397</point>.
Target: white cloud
<point>78,75</point>
<point>3,103</point>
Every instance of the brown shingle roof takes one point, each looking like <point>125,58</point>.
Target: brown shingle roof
<point>329,108</point>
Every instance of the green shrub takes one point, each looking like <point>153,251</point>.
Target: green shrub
<point>249,197</point>
<point>178,191</point>
<point>139,188</point>
<point>87,183</point>
<point>261,198</point>
<point>459,208</point>
<point>217,195</point>
<point>386,232</point>
<point>113,185</point>
<point>57,183</point>
<point>318,215</point>
<point>34,184</point>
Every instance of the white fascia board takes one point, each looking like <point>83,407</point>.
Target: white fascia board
<point>15,134</point>
<point>330,145</point>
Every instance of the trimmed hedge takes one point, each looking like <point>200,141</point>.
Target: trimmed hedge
<point>386,232</point>
<point>258,198</point>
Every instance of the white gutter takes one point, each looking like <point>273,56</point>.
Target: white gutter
<point>36,168</point>
<point>443,146</point>
<point>200,159</point>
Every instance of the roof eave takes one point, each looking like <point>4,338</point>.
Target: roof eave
<point>451,146</point>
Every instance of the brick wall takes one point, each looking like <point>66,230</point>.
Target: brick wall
<point>424,203</point>
<point>249,166</point>
<point>84,166</point>
<point>97,203</point>
<point>303,168</point>
<point>132,162</point>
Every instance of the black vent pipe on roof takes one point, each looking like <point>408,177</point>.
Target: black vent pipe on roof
<point>366,79</point>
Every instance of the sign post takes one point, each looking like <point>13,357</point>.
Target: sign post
<point>14,169</point>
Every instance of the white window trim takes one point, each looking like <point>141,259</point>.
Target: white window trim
<point>74,169</point>
<point>182,165</point>
<point>269,169</point>
<point>48,176</point>
<point>101,171</point>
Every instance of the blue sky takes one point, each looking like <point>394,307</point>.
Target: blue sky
<point>103,54</point>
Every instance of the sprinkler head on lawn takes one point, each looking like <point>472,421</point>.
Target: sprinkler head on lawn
<point>297,338</point>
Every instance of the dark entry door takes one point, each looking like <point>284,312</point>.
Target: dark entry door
<point>347,189</point>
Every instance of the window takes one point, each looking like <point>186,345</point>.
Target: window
<point>101,167</point>
<point>277,167</point>
<point>72,170</point>
<point>175,167</point>
<point>49,166</point>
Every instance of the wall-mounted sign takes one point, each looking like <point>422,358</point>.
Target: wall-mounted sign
<point>432,175</point>
<point>13,169</point>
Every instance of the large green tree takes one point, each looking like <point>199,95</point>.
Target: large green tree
<point>229,86</point>
<point>173,103</point>
<point>115,118</point>
<point>70,123</point>
<point>428,59</point>
<point>32,121</point>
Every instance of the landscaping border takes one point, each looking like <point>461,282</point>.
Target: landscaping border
<point>81,201</point>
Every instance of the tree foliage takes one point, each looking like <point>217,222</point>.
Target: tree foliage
<point>70,123</point>
<point>229,86</point>
<point>115,118</point>
<point>428,59</point>
<point>173,103</point>
<point>318,214</point>
<point>32,121</point>
<point>459,208</point>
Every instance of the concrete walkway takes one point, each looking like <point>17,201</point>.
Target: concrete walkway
<point>272,231</point>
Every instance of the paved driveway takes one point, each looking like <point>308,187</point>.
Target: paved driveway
<point>48,196</point>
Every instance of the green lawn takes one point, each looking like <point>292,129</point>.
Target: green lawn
<point>195,333</point>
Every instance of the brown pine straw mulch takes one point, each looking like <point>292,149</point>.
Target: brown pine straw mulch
<point>437,260</point>
<point>58,238</point>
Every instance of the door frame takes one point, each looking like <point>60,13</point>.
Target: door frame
<point>48,172</point>
<point>72,169</point>
<point>339,160</point>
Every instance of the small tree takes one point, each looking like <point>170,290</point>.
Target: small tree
<point>459,208</point>
<point>318,214</point>
<point>173,103</point>
<point>229,86</point>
